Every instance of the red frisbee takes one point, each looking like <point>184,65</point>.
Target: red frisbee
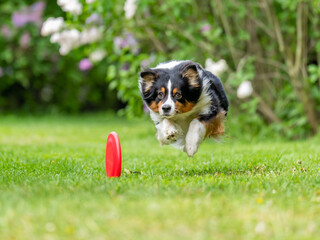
<point>113,155</point>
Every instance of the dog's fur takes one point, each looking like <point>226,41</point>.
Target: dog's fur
<point>186,103</point>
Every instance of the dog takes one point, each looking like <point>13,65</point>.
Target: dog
<point>186,103</point>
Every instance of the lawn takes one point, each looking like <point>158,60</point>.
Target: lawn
<point>53,184</point>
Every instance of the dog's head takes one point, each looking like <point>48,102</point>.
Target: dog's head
<point>171,91</point>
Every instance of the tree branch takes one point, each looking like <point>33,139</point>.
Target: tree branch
<point>156,42</point>
<point>302,18</point>
<point>191,38</point>
<point>227,29</point>
<point>256,21</point>
<point>274,20</point>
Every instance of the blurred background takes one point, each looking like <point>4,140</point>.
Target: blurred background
<point>79,56</point>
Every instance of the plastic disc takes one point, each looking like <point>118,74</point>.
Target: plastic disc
<point>113,155</point>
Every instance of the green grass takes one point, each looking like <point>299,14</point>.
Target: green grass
<point>53,184</point>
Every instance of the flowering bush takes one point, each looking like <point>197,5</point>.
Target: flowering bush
<point>107,30</point>
<point>138,34</point>
<point>34,76</point>
<point>267,54</point>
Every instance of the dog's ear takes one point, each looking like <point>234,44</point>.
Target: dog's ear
<point>189,71</point>
<point>148,77</point>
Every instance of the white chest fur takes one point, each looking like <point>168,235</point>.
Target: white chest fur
<point>183,131</point>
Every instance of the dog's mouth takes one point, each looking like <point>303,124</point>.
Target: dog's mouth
<point>167,115</point>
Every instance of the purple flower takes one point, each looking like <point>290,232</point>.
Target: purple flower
<point>128,41</point>
<point>85,64</point>
<point>126,66</point>
<point>20,19</point>
<point>94,18</point>
<point>32,14</point>
<point>38,7</point>
<point>206,28</point>
<point>119,42</point>
<point>132,42</point>
<point>147,62</point>
<point>25,40</point>
<point>6,31</point>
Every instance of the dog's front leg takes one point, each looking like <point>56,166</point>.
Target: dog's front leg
<point>196,134</point>
<point>167,132</point>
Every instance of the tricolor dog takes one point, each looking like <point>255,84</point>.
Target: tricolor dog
<point>186,103</point>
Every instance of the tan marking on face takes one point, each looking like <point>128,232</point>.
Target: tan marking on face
<point>183,108</point>
<point>215,127</point>
<point>163,90</point>
<point>149,80</point>
<point>148,86</point>
<point>174,91</point>
<point>155,106</point>
<point>192,76</point>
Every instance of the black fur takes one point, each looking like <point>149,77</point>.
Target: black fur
<point>219,98</point>
<point>189,93</point>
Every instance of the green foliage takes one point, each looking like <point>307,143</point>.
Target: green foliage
<point>314,79</point>
<point>243,33</point>
<point>34,77</point>
<point>247,42</point>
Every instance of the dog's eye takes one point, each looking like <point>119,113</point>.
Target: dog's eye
<point>160,95</point>
<point>178,95</point>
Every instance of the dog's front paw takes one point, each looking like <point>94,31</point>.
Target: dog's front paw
<point>171,134</point>
<point>168,136</point>
<point>168,132</point>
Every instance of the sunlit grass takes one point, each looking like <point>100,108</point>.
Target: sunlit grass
<point>53,184</point>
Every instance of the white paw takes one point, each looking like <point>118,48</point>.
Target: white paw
<point>171,134</point>
<point>168,136</point>
<point>191,149</point>
<point>168,132</point>
<point>194,137</point>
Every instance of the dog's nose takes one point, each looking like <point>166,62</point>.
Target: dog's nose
<point>166,108</point>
